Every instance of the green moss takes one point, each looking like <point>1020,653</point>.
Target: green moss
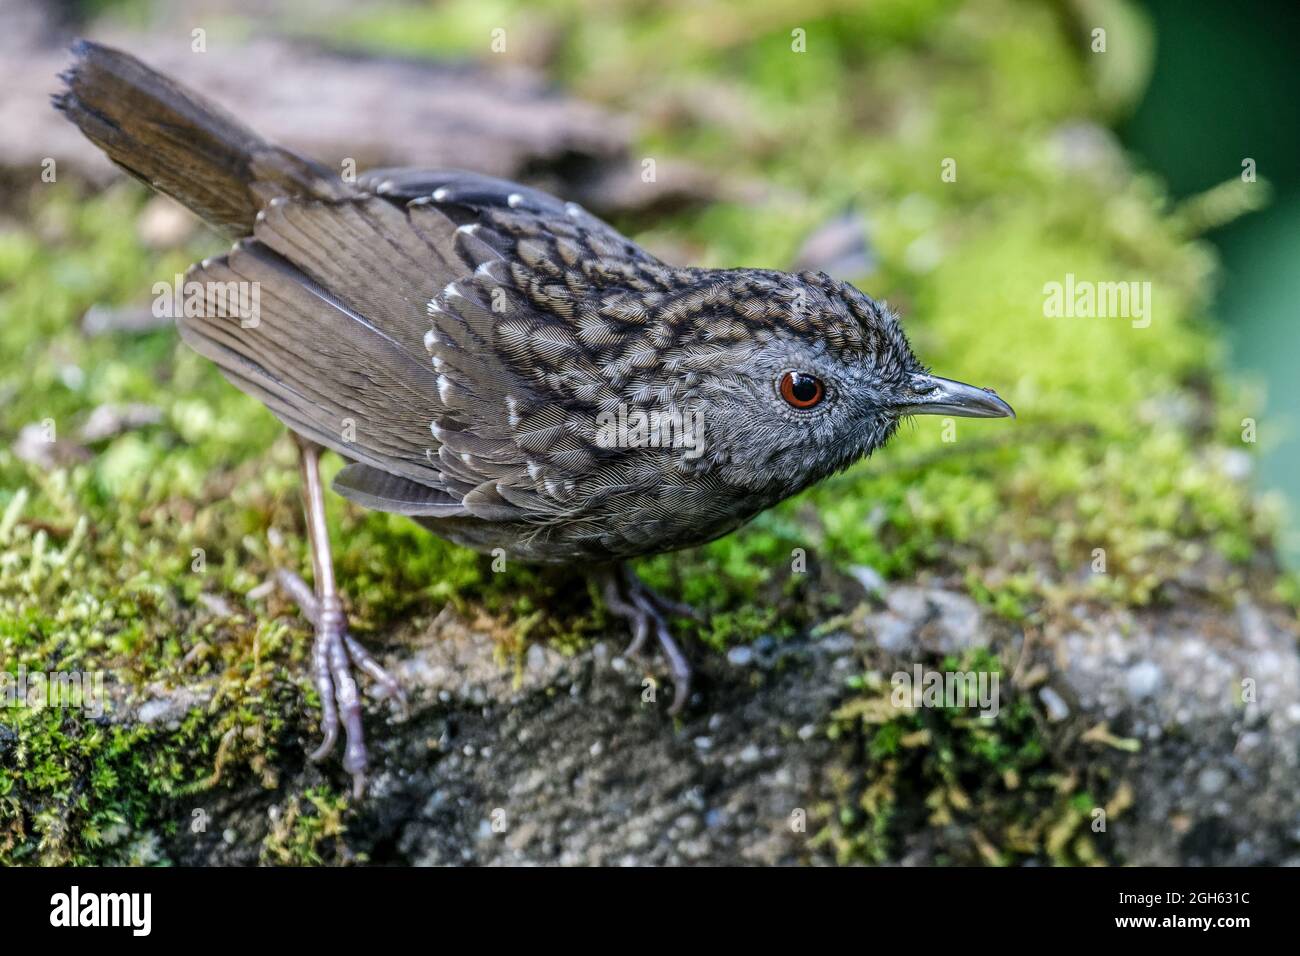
<point>1122,446</point>
<point>995,791</point>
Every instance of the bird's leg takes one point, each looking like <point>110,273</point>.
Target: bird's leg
<point>334,651</point>
<point>300,592</point>
<point>666,605</point>
<point>629,598</point>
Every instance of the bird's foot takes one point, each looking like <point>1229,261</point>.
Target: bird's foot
<point>646,611</point>
<point>335,653</point>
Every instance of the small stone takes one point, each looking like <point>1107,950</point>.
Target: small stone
<point>157,710</point>
<point>1057,708</point>
<point>1143,679</point>
<point>740,656</point>
<point>688,824</point>
<point>1211,780</point>
<point>893,634</point>
<point>908,602</point>
<point>871,580</point>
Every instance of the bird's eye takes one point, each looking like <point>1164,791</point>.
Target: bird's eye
<point>801,390</point>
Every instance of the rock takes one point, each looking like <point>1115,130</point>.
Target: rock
<point>1179,673</point>
<point>1211,780</point>
<point>1142,680</point>
<point>740,656</point>
<point>871,580</point>
<point>166,707</point>
<point>931,618</point>
<point>587,773</point>
<point>1057,708</point>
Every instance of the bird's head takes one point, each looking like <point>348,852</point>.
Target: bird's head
<point>820,376</point>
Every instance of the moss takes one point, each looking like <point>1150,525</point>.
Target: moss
<point>1122,446</point>
<point>971,789</point>
<point>308,831</point>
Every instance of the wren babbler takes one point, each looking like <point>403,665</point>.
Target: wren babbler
<point>463,341</point>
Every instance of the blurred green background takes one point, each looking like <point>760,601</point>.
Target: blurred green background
<point>1224,87</point>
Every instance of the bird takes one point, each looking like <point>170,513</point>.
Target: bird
<point>502,366</point>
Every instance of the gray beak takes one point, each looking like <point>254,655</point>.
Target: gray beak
<point>931,395</point>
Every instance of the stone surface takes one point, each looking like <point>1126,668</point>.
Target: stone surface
<point>568,760</point>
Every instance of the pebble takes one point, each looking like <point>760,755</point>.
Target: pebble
<point>1143,679</point>
<point>1211,780</point>
<point>1057,708</point>
<point>740,656</point>
<point>871,580</point>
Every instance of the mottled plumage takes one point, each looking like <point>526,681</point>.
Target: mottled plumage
<point>472,331</point>
<point>466,344</point>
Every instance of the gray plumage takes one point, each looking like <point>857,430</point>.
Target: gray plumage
<point>475,333</point>
<point>489,359</point>
<point>457,338</point>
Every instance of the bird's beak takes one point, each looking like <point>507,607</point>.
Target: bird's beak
<point>932,395</point>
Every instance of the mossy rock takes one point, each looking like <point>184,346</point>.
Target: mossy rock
<point>1108,531</point>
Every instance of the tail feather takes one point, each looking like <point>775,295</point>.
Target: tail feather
<point>177,142</point>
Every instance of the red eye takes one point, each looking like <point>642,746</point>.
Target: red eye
<point>801,390</point>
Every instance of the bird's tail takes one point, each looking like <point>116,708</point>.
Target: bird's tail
<point>178,143</point>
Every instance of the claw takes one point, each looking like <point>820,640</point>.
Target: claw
<point>335,653</point>
<point>645,612</point>
<point>362,658</point>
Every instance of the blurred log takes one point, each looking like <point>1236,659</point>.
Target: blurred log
<point>371,110</point>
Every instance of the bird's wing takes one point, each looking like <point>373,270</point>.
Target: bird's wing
<point>464,196</point>
<point>434,342</point>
